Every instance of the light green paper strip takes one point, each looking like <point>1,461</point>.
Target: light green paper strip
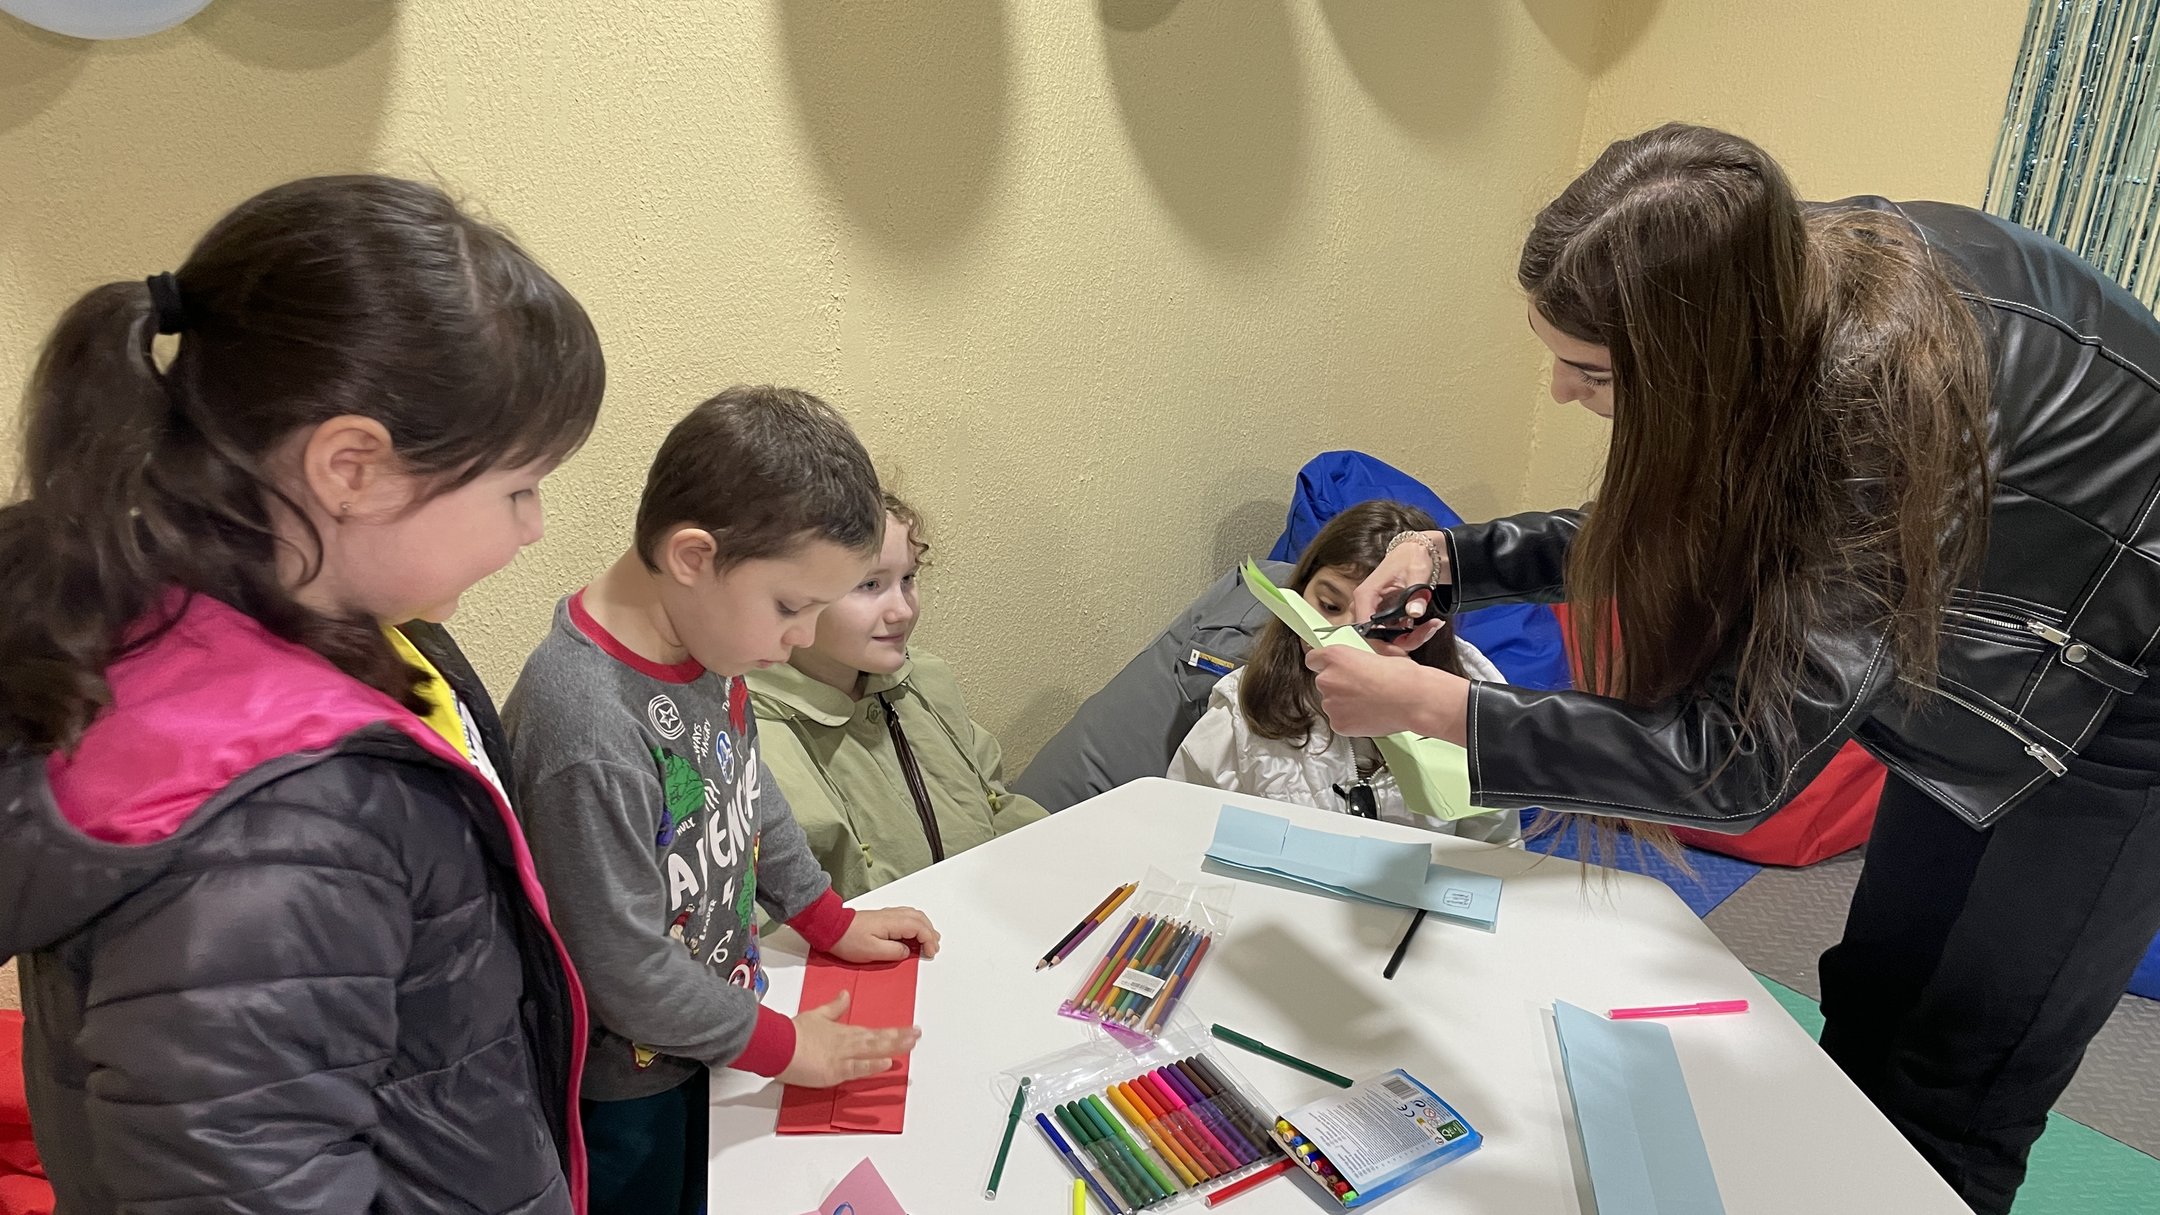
<point>1434,775</point>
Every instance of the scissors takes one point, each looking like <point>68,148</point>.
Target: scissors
<point>1397,619</point>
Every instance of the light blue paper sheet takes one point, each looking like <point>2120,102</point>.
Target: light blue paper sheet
<point>1639,1131</point>
<point>1369,870</point>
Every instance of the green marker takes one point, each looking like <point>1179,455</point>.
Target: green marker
<point>1285,1058</point>
<point>1137,1178</point>
<point>1125,1140</point>
<point>1083,1132</point>
<point>1012,1121</point>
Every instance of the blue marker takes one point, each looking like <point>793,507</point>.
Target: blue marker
<point>1073,1162</point>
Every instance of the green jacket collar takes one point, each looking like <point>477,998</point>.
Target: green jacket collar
<point>804,697</point>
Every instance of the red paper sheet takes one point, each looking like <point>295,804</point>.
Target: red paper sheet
<point>884,996</point>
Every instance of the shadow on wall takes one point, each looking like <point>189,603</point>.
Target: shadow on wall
<point>905,108</point>
<point>1045,713</point>
<point>1593,37</point>
<point>1428,64</point>
<point>1246,530</point>
<point>35,68</point>
<point>119,154</point>
<point>295,35</point>
<point>1211,99</point>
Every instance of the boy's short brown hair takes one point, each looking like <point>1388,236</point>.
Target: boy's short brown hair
<point>764,470</point>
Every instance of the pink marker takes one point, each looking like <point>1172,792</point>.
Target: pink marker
<point>1707,1008</point>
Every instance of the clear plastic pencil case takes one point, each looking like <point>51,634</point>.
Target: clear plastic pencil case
<point>1147,1124</point>
<point>1152,962</point>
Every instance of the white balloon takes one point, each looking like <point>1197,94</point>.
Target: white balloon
<point>104,18</point>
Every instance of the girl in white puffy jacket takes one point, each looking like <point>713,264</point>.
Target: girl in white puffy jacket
<point>1263,732</point>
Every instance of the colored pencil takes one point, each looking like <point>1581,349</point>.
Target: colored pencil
<point>1262,1049</point>
<point>1157,930</point>
<point>1063,949</point>
<point>1012,1123</point>
<point>1158,947</point>
<point>1403,946</point>
<point>1164,968</point>
<point>1116,998</point>
<point>1158,954</point>
<point>1124,941</point>
<point>1243,1184</point>
<point>1081,1171</point>
<point>1176,991</point>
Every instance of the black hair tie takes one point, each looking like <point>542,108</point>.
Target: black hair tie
<point>166,302</point>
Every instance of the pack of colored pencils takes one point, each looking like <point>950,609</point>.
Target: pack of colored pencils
<point>1149,1130</point>
<point>1149,966</point>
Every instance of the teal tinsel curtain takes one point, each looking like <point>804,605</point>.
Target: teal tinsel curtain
<point>2079,154</point>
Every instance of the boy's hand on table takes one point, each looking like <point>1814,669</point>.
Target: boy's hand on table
<point>828,1052</point>
<point>887,934</point>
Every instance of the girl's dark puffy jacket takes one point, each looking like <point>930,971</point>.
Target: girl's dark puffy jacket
<point>283,949</point>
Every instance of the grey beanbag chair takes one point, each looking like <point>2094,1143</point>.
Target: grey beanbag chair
<point>1132,727</point>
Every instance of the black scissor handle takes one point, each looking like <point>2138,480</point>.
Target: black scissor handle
<point>1396,619</point>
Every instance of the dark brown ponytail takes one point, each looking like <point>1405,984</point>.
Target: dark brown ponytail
<point>320,298</point>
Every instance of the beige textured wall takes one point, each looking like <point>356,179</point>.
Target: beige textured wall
<point>1092,279</point>
<point>1852,96</point>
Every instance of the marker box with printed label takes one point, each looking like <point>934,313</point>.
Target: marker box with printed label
<point>1375,1138</point>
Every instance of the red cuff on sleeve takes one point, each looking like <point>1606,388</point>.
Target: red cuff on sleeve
<point>772,1045</point>
<point>824,922</point>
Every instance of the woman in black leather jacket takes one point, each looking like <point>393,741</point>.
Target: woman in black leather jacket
<point>1878,470</point>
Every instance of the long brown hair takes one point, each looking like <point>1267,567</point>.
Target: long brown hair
<point>319,298</point>
<point>1277,693</point>
<point>1800,413</point>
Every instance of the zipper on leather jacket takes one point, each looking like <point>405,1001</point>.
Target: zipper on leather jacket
<point>2077,655</point>
<point>2048,759</point>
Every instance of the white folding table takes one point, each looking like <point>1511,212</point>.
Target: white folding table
<point>1469,1013</point>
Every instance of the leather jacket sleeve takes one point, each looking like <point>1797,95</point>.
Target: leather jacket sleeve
<point>1682,762</point>
<point>1519,559</point>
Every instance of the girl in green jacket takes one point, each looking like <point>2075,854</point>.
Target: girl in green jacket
<point>872,744</point>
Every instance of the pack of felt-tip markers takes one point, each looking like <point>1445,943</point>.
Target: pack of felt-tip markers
<point>1150,1124</point>
<point>1150,965</point>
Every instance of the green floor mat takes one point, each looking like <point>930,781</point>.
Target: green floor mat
<point>2075,1170</point>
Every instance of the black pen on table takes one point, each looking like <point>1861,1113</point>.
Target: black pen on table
<point>1403,946</point>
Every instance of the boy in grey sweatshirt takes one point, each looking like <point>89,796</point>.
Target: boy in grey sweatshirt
<point>654,826</point>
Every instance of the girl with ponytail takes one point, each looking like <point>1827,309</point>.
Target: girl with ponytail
<point>282,946</point>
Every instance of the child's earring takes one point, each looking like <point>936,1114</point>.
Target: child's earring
<point>343,509</point>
